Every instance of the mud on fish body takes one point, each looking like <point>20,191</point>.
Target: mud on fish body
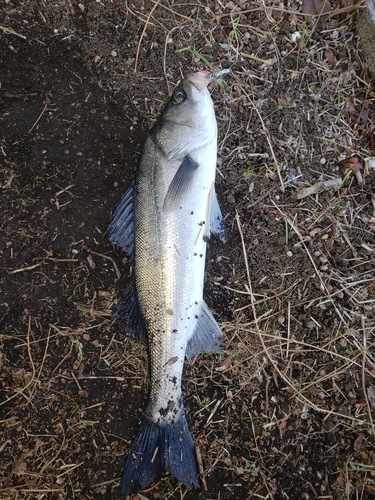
<point>163,222</point>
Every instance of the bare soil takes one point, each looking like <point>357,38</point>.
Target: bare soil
<point>287,411</point>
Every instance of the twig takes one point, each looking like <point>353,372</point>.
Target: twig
<point>200,467</point>
<point>40,116</point>
<point>253,58</point>
<point>117,271</point>
<point>364,378</point>
<point>22,269</point>
<point>10,31</point>
<point>143,33</point>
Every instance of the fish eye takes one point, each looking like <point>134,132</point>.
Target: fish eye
<point>178,97</point>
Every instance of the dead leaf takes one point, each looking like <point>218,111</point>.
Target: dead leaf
<point>359,116</point>
<point>353,163</point>
<point>225,364</point>
<point>19,466</point>
<point>330,58</point>
<point>317,10</point>
<point>282,425</point>
<point>359,442</point>
<point>371,395</point>
<point>340,480</point>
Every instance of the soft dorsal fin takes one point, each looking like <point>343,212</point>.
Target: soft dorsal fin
<point>207,334</point>
<point>180,185</point>
<point>121,229</point>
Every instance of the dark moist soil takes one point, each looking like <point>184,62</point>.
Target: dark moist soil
<point>74,117</point>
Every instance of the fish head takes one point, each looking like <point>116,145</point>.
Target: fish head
<point>188,119</point>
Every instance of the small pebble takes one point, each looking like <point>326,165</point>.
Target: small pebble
<point>114,53</point>
<point>322,161</point>
<point>289,253</point>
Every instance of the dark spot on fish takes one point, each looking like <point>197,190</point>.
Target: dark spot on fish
<point>191,213</point>
<point>164,411</point>
<point>201,255</point>
<point>196,303</point>
<point>172,360</point>
<point>174,380</point>
<point>195,254</point>
<point>201,223</point>
<point>206,239</point>
<point>174,330</point>
<point>196,316</point>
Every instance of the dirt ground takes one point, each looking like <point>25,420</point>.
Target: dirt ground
<point>287,411</point>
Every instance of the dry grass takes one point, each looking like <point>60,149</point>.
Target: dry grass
<point>286,367</point>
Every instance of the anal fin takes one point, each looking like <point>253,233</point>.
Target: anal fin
<point>207,335</point>
<point>216,224</point>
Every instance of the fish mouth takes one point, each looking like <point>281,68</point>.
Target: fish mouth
<point>199,80</point>
<point>202,79</point>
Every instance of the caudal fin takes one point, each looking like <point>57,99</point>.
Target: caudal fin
<point>157,448</point>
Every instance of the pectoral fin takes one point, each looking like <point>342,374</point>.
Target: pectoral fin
<point>180,184</point>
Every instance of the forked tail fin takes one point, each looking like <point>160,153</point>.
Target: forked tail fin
<point>157,448</point>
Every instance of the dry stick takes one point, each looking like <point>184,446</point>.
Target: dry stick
<point>364,378</point>
<point>47,464</point>
<point>253,58</point>
<point>297,231</point>
<point>31,364</point>
<point>165,56</point>
<point>142,35</point>
<point>200,467</point>
<point>107,257</point>
<point>40,116</point>
<point>22,269</point>
<point>10,31</point>
<point>265,130</point>
<point>173,11</point>
<point>343,10</point>
<point>282,375</point>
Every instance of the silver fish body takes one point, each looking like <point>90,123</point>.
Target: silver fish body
<point>164,221</point>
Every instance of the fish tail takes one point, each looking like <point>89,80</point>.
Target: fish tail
<point>157,448</point>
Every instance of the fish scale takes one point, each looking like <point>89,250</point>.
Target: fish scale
<point>174,210</point>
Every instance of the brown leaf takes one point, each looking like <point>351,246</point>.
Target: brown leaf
<point>317,9</point>
<point>359,442</point>
<point>371,395</point>
<point>353,163</point>
<point>361,116</point>
<point>225,364</point>
<point>340,480</point>
<point>330,58</point>
<point>282,424</point>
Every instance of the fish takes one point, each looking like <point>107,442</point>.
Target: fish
<point>163,222</point>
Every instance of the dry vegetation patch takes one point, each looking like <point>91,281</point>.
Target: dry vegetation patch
<point>287,411</point>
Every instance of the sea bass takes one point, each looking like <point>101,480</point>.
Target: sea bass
<point>163,222</point>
